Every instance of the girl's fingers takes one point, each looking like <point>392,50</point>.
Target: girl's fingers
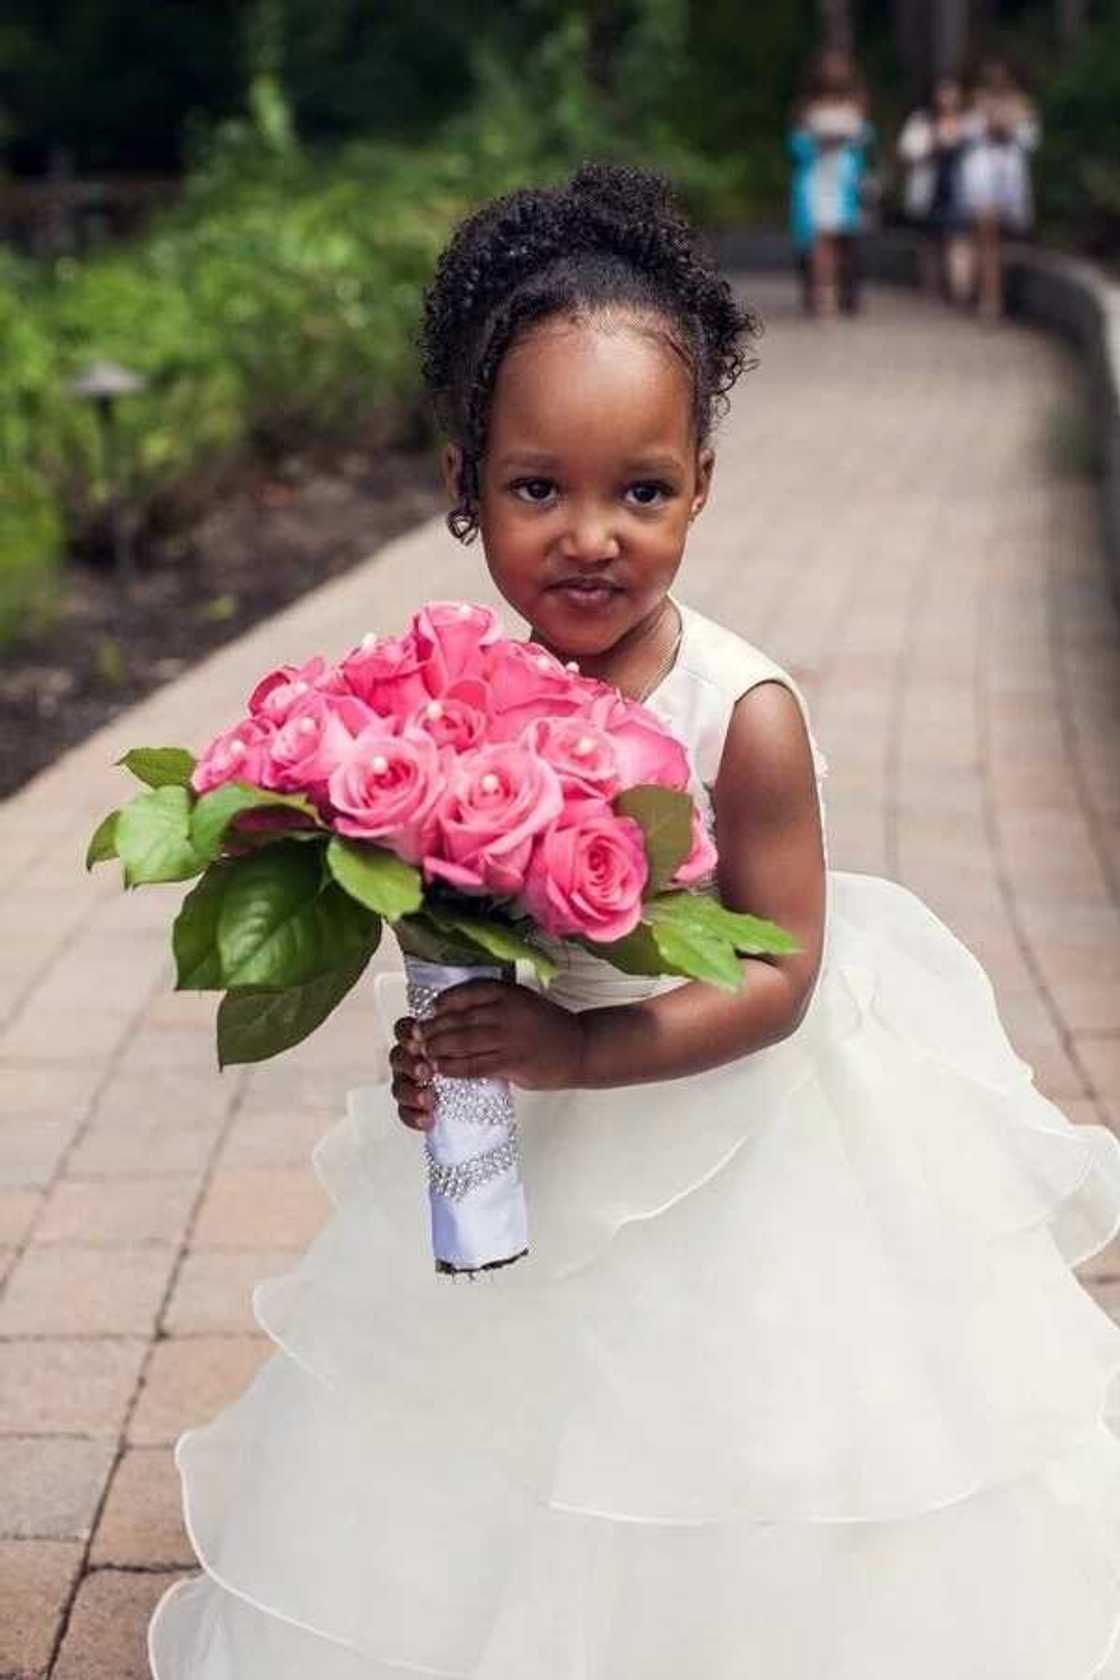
<point>414,1099</point>
<point>417,1119</point>
<point>467,1043</point>
<point>469,995</point>
<point>415,1070</point>
<point>465,1038</point>
<point>440,1033</point>
<point>486,1064</point>
<point>405,1064</point>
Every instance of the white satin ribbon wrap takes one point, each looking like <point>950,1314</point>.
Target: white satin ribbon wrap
<point>475,1190</point>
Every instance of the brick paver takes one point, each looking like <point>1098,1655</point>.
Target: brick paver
<point>890,520</point>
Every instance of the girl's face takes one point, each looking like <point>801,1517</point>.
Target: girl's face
<point>591,477</point>
<point>996,77</point>
<point>948,96</point>
<point>836,75</point>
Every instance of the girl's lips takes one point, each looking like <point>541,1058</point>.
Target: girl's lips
<point>584,599</point>
<point>585,596</point>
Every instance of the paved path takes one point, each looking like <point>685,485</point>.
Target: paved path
<point>889,521</point>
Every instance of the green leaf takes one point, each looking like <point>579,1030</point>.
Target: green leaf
<point>497,938</point>
<point>697,936</point>
<point>376,877</point>
<point>690,951</point>
<point>418,936</point>
<point>103,845</point>
<point>749,935</point>
<point>160,766</point>
<point>214,812</point>
<point>194,936</point>
<point>637,953</point>
<point>665,818</point>
<point>153,838</point>
<point>253,1025</point>
<point>280,926</point>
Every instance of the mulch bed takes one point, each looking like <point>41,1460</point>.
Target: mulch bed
<point>265,538</point>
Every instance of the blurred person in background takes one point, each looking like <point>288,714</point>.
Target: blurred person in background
<point>995,175</point>
<point>830,142</point>
<point>932,147</point>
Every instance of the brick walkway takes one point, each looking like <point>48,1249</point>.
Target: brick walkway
<point>891,522</point>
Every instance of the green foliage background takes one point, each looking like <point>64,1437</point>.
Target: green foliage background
<point>328,147</point>
<point>1080,162</point>
<point>279,300</point>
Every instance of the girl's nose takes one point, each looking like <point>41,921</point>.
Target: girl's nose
<point>590,537</point>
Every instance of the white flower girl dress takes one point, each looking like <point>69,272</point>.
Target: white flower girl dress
<point>796,1381</point>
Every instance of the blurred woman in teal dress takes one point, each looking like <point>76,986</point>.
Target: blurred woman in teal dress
<point>830,142</point>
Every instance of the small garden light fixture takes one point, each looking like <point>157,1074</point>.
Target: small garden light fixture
<point>102,383</point>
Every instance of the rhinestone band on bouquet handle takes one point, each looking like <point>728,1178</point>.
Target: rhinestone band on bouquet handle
<point>474,793</point>
<point>475,1193</point>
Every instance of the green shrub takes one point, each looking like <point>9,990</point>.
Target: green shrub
<point>278,302</point>
<point>30,544</point>
<point>269,313</point>
<point>1079,167</point>
<point>30,519</point>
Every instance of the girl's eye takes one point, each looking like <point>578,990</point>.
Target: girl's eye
<point>651,493</point>
<point>646,493</point>
<point>533,489</point>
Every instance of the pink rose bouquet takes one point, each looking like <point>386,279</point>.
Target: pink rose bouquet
<point>477,794</point>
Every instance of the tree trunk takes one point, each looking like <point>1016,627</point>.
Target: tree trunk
<point>1073,15</point>
<point>911,33</point>
<point>606,28</point>
<point>950,20</point>
<point>835,21</point>
<point>932,37</point>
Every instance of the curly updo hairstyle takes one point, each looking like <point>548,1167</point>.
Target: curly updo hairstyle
<point>610,239</point>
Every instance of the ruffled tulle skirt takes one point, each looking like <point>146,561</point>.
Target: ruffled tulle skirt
<point>796,1382</point>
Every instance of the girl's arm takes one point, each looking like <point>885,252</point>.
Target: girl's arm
<point>1028,129</point>
<point>803,146</point>
<point>771,864</point>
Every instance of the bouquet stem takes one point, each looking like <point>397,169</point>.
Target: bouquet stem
<point>475,1191</point>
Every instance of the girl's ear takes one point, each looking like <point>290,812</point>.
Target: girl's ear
<point>452,468</point>
<point>705,465</point>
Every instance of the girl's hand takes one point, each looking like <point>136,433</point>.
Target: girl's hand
<point>484,1029</point>
<point>412,1077</point>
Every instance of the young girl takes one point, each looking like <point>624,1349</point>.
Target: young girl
<point>996,175</point>
<point>796,1381</point>
<point>830,142</point>
<point>933,146</point>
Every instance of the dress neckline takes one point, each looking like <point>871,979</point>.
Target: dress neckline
<point>686,619</point>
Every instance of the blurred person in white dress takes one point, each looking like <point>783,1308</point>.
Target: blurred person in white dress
<point>996,176</point>
<point>933,146</point>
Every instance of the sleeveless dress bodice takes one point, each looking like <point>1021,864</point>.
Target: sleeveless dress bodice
<point>713,669</point>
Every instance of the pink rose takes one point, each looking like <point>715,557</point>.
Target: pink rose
<point>527,682</point>
<point>583,757</point>
<point>307,749</point>
<point>588,878</point>
<point>386,788</point>
<point>458,719</point>
<point>281,690</point>
<point>239,754</point>
<point>700,864</point>
<point>499,798</point>
<point>385,672</point>
<point>450,637</point>
<point>647,752</point>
